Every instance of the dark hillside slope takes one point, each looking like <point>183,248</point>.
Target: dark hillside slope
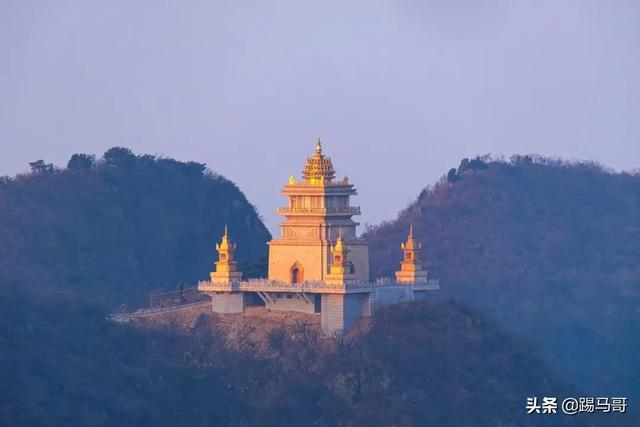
<point>116,228</point>
<point>63,364</point>
<point>419,364</point>
<point>551,250</point>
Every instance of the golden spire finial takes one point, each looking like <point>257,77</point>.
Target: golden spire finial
<point>340,247</point>
<point>225,244</point>
<point>412,243</point>
<point>318,147</point>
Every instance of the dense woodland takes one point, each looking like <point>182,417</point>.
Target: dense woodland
<point>550,250</point>
<point>540,259</point>
<point>117,227</point>
<point>420,364</point>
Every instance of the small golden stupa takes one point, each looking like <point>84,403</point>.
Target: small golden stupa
<point>411,268</point>
<point>341,270</point>
<point>226,266</point>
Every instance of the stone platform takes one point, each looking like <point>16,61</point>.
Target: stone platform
<point>340,306</point>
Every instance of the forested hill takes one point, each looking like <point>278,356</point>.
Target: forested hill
<point>421,364</point>
<point>117,227</point>
<point>549,249</point>
<point>517,239</point>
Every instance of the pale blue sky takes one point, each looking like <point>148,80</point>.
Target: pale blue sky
<point>399,91</point>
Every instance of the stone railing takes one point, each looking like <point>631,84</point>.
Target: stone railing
<point>175,298</point>
<point>311,286</point>
<point>431,285</point>
<point>346,210</point>
<point>125,317</point>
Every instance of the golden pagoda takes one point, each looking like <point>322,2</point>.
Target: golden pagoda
<point>226,267</point>
<point>411,268</point>
<point>318,264</point>
<point>318,207</point>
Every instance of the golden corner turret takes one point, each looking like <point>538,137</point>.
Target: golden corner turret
<point>411,268</point>
<point>226,267</point>
<point>341,270</point>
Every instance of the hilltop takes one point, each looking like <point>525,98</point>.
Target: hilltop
<point>549,249</point>
<point>114,228</point>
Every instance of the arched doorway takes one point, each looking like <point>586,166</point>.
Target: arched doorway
<point>297,273</point>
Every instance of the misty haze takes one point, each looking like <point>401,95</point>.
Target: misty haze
<point>328,213</point>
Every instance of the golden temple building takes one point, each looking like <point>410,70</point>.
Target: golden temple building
<point>318,265</point>
<point>317,211</point>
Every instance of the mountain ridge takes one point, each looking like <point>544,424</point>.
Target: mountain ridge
<point>548,248</point>
<point>429,362</point>
<point>118,227</point>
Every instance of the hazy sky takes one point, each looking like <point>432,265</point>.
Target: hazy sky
<point>399,90</point>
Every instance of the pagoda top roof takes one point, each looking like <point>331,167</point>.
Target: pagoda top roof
<point>318,169</point>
